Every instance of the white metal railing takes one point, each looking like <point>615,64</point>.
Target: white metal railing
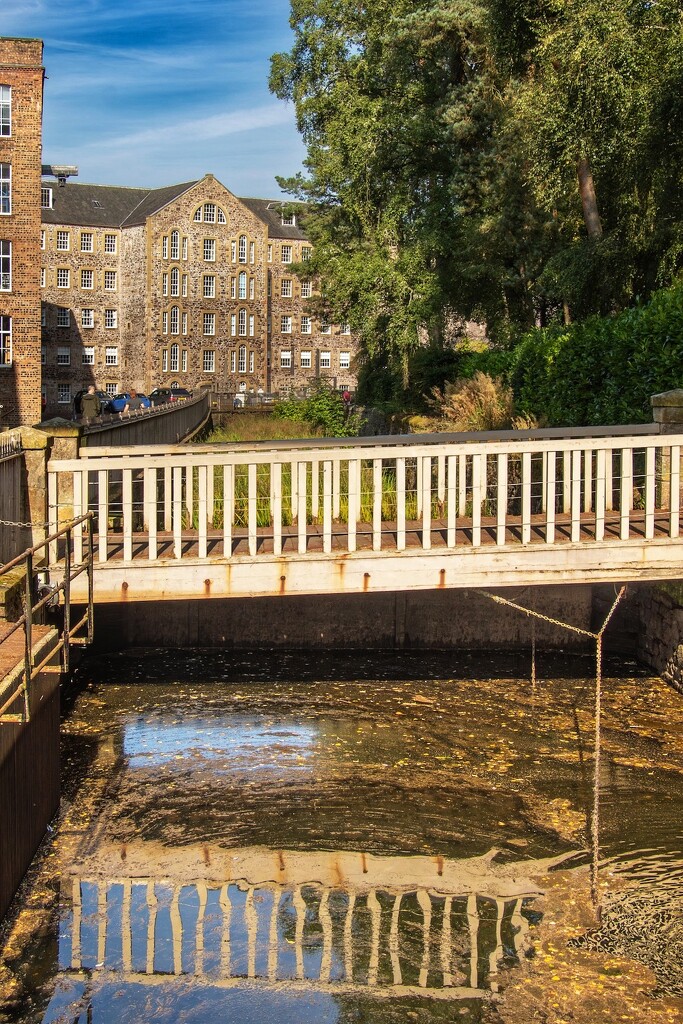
<point>384,940</point>
<point>277,498</point>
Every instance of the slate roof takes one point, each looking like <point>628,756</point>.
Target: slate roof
<point>115,206</point>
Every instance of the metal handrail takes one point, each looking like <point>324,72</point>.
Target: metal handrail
<point>31,607</point>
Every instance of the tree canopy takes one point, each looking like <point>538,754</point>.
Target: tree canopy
<point>510,161</point>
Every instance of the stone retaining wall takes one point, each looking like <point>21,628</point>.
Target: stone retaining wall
<point>660,641</point>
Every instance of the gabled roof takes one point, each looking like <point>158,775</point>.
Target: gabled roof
<point>109,206</point>
<point>270,212</point>
<point>115,206</point>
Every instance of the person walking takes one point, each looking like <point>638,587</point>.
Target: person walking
<point>90,405</point>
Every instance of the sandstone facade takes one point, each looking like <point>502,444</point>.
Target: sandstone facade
<point>21,106</point>
<point>187,285</point>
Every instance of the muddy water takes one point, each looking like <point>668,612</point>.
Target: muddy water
<point>254,838</point>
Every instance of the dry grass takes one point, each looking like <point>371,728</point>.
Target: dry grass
<point>257,426</point>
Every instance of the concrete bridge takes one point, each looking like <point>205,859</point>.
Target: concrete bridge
<point>428,512</point>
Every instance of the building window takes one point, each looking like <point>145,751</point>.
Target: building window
<point>325,327</point>
<point>305,360</point>
<point>110,280</point>
<point>209,286</point>
<point>305,325</point>
<point>325,360</point>
<point>175,281</point>
<point>111,387</point>
<point>183,365</point>
<point>345,329</point>
<point>252,252</point>
<point>270,253</point>
<point>184,319</point>
<point>306,289</point>
<point>43,315</point>
<point>164,322</point>
<point>285,359</point>
<point>306,252</point>
<point>63,317</point>
<point>175,245</point>
<point>63,277</point>
<point>233,362</point>
<point>243,249</point>
<point>43,355</point>
<point>233,252</point>
<point>251,362</point>
<point>286,287</point>
<point>164,361</point>
<point>175,320</point>
<point>110,318</point>
<point>63,241</point>
<point>209,213</point>
<point>209,323</point>
<point>286,254</point>
<point>88,357</point>
<point>5,340</point>
<point>43,277</point>
<point>221,217</point>
<point>63,355</point>
<point>210,250</point>
<point>42,239</point>
<point>111,356</point>
<point>243,285</point>
<point>64,394</point>
<point>87,278</point>
<point>288,220</point>
<point>184,285</point>
<point>233,287</point>
<point>164,284</point>
<point>184,248</point>
<point>243,323</point>
<point>175,353</point>
<point>110,243</point>
<point>5,110</point>
<point>86,241</point>
<point>251,325</point>
<point>45,198</point>
<point>209,361</point>
<point>251,287</point>
<point>233,325</point>
<point>285,325</point>
<point>87,318</point>
<point>164,248</point>
<point>198,214</point>
<point>242,359</point>
<point>6,266</point>
<point>344,360</point>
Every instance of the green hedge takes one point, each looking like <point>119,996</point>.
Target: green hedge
<point>602,370</point>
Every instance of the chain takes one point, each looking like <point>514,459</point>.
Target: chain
<point>538,615</point>
<point>28,526</point>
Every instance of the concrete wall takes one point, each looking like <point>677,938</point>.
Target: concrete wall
<point>29,779</point>
<point>439,619</point>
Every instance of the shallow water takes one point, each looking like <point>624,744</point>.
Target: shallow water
<point>255,836</point>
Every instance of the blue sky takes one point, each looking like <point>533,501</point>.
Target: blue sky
<point>153,92</point>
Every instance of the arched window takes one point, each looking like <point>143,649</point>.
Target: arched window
<point>243,249</point>
<point>221,216</point>
<point>242,359</point>
<point>175,281</point>
<point>175,245</point>
<point>198,214</point>
<point>175,320</point>
<point>175,352</point>
<point>243,323</point>
<point>242,284</point>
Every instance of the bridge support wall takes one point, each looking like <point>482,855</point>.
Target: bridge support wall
<point>409,620</point>
<point>660,638</point>
<point>29,777</point>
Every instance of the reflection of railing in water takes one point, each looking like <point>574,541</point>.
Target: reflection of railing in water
<point>388,942</point>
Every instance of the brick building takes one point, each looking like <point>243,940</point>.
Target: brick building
<point>21,107</point>
<point>186,285</point>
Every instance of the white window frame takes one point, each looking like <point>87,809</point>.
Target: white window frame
<point>110,244</point>
<point>285,325</point>
<point>6,265</point>
<point>344,360</point>
<point>286,254</point>
<point>87,279</point>
<point>87,241</point>
<point>63,242</point>
<point>87,318</point>
<point>175,245</point>
<point>233,325</point>
<point>63,355</point>
<point>63,316</point>
<point>175,357</point>
<point>242,249</point>
<point>242,359</point>
<point>111,355</point>
<point>285,359</point>
<point>242,285</point>
<point>306,289</point>
<point>45,197</point>
<point>109,276</point>
<point>286,288</point>
<point>5,341</point>
<point>175,320</point>
<point>305,325</point>
<point>209,360</point>
<point>5,111</point>
<point>88,355</point>
<point>175,282</point>
<point>209,286</point>
<point>63,277</point>
<point>209,250</point>
<point>111,319</point>
<point>209,324</point>
<point>325,360</point>
<point>252,323</point>
<point>63,393</point>
<point>306,360</point>
<point>233,361</point>
<point>242,323</point>
<point>43,277</point>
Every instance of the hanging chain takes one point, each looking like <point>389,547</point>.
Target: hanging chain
<point>28,526</point>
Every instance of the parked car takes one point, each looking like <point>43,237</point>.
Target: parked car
<point>102,395</point>
<point>118,402</point>
<point>160,396</point>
